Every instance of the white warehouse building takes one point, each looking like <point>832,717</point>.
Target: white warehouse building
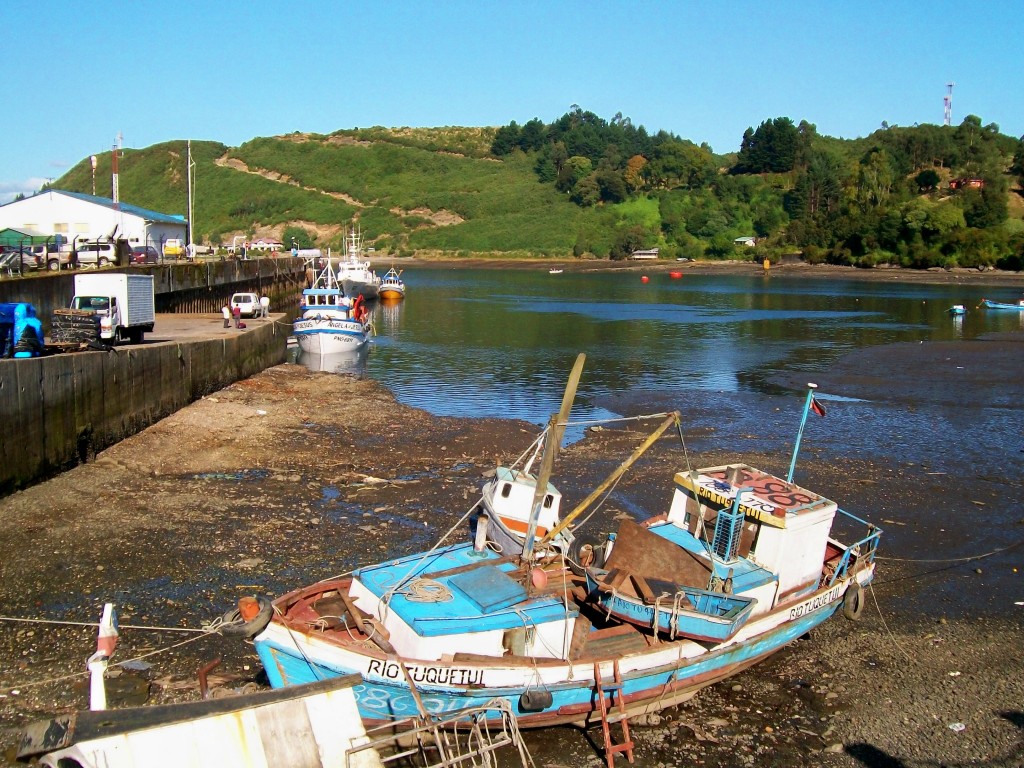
<point>76,216</point>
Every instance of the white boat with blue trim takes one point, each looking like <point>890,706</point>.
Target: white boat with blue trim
<point>330,322</point>
<point>757,556</point>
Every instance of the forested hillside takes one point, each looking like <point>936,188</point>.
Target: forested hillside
<point>585,186</point>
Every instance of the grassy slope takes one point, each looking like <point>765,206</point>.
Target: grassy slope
<point>392,182</point>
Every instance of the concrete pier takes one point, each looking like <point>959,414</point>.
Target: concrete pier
<point>60,410</point>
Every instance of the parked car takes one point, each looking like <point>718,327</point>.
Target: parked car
<point>145,254</point>
<point>174,248</point>
<point>248,304</point>
<point>29,260</point>
<point>96,253</point>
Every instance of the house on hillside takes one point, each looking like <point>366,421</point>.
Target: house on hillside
<point>75,216</point>
<point>651,253</point>
<point>966,183</point>
<point>748,241</point>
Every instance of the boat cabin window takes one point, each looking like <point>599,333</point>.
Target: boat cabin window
<point>506,489</point>
<point>548,501</point>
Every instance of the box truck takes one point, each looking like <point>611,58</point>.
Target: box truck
<point>124,305</point>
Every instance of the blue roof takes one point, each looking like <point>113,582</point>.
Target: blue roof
<point>134,210</point>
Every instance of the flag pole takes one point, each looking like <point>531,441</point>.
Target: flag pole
<point>800,433</point>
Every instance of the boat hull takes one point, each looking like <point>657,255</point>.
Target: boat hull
<point>652,678</point>
<point>392,292</point>
<point>330,336</point>
<point>357,287</point>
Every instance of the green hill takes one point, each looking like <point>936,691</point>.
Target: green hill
<point>407,189</point>
<point>921,196</point>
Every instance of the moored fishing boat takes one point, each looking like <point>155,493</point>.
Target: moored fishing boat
<point>957,310</point>
<point>355,275</point>
<point>462,623</point>
<point>392,287</point>
<point>329,322</point>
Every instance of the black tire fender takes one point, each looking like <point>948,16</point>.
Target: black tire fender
<point>853,602</point>
<point>233,626</point>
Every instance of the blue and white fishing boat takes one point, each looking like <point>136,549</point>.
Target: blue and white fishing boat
<point>958,310</point>
<point>1000,305</point>
<point>329,322</point>
<point>461,623</point>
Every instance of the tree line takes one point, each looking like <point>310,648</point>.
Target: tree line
<point>918,196</point>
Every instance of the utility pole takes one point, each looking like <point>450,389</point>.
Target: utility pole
<point>947,103</point>
<point>190,179</point>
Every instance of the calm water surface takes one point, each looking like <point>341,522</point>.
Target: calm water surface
<point>488,342</point>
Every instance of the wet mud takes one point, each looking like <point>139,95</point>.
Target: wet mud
<point>292,476</point>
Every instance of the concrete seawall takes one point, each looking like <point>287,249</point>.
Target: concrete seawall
<point>58,411</point>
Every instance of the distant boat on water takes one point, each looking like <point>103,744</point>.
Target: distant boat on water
<point>391,285</point>
<point>1000,305</point>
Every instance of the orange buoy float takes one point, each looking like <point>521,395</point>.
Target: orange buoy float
<point>644,279</point>
<point>675,275</point>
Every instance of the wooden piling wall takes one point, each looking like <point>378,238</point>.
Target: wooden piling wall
<point>60,410</point>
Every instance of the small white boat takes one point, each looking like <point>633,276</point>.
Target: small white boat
<point>329,322</point>
<point>555,271</point>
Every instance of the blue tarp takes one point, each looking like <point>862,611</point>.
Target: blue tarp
<point>21,333</point>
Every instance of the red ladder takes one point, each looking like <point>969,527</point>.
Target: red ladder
<point>611,693</point>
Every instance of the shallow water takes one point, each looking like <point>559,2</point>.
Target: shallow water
<point>486,342</point>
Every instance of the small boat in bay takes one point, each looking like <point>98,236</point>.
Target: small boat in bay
<point>392,287</point>
<point>1000,305</point>
<point>957,310</point>
<point>740,564</point>
<point>329,322</point>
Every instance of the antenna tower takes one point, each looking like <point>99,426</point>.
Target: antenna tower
<point>947,103</point>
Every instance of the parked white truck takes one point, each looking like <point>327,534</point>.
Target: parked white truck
<point>125,304</point>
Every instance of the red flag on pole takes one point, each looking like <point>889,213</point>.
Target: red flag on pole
<point>817,407</point>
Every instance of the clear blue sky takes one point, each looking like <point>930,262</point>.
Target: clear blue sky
<point>76,74</point>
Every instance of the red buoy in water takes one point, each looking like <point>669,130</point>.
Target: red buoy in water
<point>644,279</point>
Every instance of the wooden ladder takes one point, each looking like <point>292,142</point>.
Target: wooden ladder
<point>611,693</point>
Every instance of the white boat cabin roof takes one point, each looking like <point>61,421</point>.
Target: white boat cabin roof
<point>763,496</point>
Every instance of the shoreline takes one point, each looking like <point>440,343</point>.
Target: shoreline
<point>935,275</point>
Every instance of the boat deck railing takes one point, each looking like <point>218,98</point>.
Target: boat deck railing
<point>860,552</point>
<point>466,737</point>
